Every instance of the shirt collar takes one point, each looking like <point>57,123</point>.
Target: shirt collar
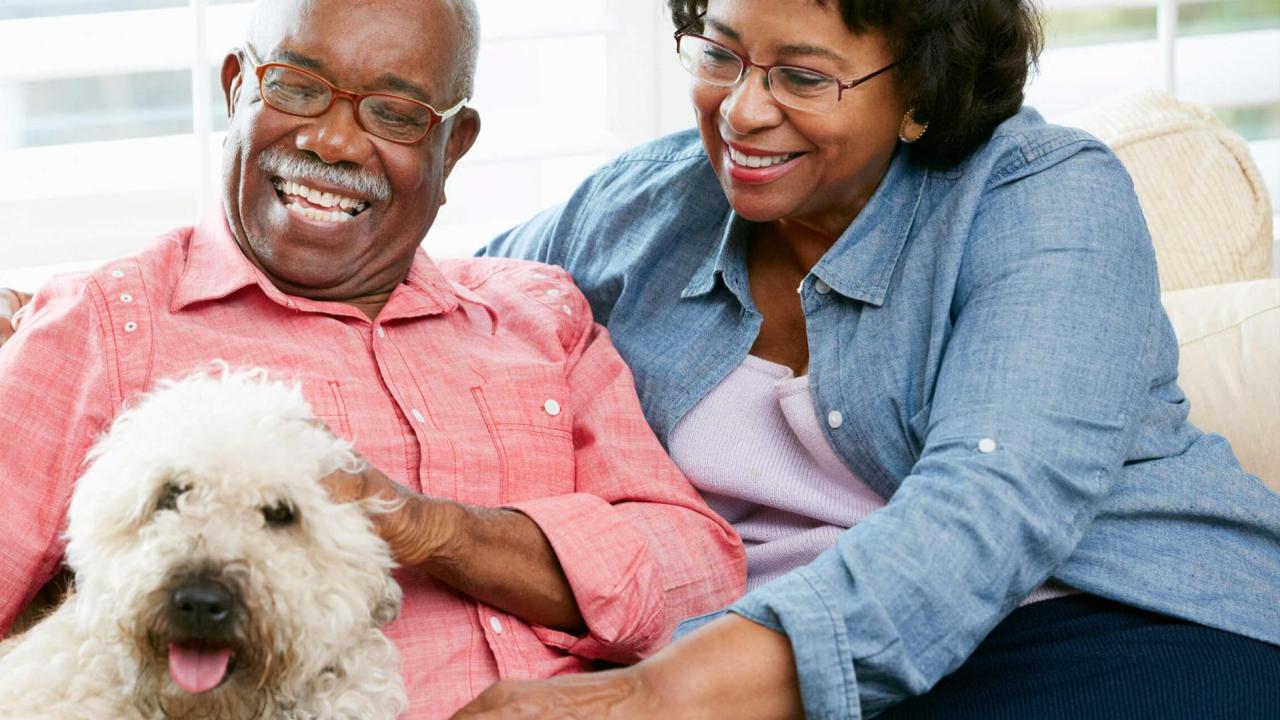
<point>860,263</point>
<point>729,263</point>
<point>216,268</point>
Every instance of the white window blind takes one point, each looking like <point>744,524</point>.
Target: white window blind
<point>111,119</point>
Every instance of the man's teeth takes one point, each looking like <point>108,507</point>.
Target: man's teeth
<point>321,215</point>
<point>757,161</point>
<point>324,199</point>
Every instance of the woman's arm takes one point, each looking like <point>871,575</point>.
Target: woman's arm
<point>732,668</point>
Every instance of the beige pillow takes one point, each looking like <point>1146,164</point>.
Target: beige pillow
<point>1229,336</point>
<point>1203,197</point>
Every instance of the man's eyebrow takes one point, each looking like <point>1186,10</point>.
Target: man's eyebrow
<point>404,87</point>
<point>293,58</point>
<point>385,81</point>
<point>789,50</point>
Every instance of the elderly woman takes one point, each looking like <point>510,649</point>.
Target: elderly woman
<point>908,339</point>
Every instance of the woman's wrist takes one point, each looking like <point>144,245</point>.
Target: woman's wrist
<point>732,667</point>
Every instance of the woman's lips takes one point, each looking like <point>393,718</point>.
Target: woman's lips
<point>772,167</point>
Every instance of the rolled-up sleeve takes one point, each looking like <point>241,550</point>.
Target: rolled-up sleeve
<point>55,398</point>
<point>1056,315</point>
<point>639,547</point>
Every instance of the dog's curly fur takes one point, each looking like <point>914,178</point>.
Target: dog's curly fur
<point>182,486</point>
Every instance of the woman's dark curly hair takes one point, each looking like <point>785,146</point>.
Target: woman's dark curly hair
<point>963,62</point>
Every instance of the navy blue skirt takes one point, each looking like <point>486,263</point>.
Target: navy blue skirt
<point>1084,658</point>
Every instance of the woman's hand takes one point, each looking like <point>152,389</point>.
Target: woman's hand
<point>731,669</point>
<point>612,695</point>
<point>10,301</point>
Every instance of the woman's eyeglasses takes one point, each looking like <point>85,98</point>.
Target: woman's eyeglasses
<point>796,87</point>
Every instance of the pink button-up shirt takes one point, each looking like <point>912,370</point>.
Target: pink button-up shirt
<point>483,381</point>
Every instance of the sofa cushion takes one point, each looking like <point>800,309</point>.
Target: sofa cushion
<point>1229,336</point>
<point>1203,197</point>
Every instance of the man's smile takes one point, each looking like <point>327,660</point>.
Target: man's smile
<point>318,205</point>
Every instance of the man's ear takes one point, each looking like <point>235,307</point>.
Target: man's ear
<point>232,80</point>
<point>463,134</point>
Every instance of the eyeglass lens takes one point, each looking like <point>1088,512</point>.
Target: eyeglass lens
<point>794,87</point>
<point>386,116</point>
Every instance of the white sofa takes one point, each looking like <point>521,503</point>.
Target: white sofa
<point>1210,219</point>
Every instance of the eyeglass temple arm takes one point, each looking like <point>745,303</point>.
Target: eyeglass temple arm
<point>855,83</point>
<point>454,110</point>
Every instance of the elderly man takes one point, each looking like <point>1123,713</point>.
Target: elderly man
<point>473,385</point>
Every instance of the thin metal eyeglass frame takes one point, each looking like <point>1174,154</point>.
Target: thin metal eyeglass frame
<point>744,63</point>
<point>335,93</point>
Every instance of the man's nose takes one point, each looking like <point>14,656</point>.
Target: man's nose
<point>750,104</point>
<point>336,136</point>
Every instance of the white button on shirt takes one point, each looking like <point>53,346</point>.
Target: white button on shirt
<point>835,419</point>
<point>986,446</point>
<point>496,624</point>
<point>417,415</point>
<point>821,287</point>
<point>552,407</point>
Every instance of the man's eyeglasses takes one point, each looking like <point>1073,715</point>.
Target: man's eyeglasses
<point>299,92</point>
<point>796,87</point>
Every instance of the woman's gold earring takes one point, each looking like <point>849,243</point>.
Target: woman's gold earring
<point>909,130</point>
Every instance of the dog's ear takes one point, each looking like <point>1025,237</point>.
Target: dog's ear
<point>386,606</point>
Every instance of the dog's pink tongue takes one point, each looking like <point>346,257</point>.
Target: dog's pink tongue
<point>196,669</point>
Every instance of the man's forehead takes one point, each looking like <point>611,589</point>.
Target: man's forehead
<point>410,44</point>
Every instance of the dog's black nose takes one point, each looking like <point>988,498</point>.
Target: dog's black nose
<point>202,606</point>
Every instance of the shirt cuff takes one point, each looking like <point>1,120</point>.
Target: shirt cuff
<point>803,608</point>
<point>609,567</point>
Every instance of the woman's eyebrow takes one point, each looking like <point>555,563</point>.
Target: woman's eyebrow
<point>789,50</point>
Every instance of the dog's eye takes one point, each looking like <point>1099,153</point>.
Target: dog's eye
<point>278,515</point>
<point>169,498</point>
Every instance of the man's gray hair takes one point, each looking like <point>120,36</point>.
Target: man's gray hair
<point>468,49</point>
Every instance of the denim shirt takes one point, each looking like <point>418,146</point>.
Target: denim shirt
<point>987,351</point>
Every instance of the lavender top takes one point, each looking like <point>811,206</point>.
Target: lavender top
<point>754,448</point>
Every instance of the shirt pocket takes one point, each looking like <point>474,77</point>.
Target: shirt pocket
<point>325,398</point>
<point>530,424</point>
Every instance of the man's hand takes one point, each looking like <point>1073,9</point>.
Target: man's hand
<point>499,557</point>
<point>415,527</point>
<point>10,301</point>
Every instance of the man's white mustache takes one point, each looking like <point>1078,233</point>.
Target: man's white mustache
<point>298,167</point>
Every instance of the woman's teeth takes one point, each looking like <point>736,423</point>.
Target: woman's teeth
<point>759,161</point>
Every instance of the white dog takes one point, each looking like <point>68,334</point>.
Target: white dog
<point>213,576</point>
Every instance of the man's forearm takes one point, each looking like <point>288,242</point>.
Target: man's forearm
<point>499,557</point>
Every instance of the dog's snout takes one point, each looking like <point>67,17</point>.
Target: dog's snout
<point>202,606</point>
